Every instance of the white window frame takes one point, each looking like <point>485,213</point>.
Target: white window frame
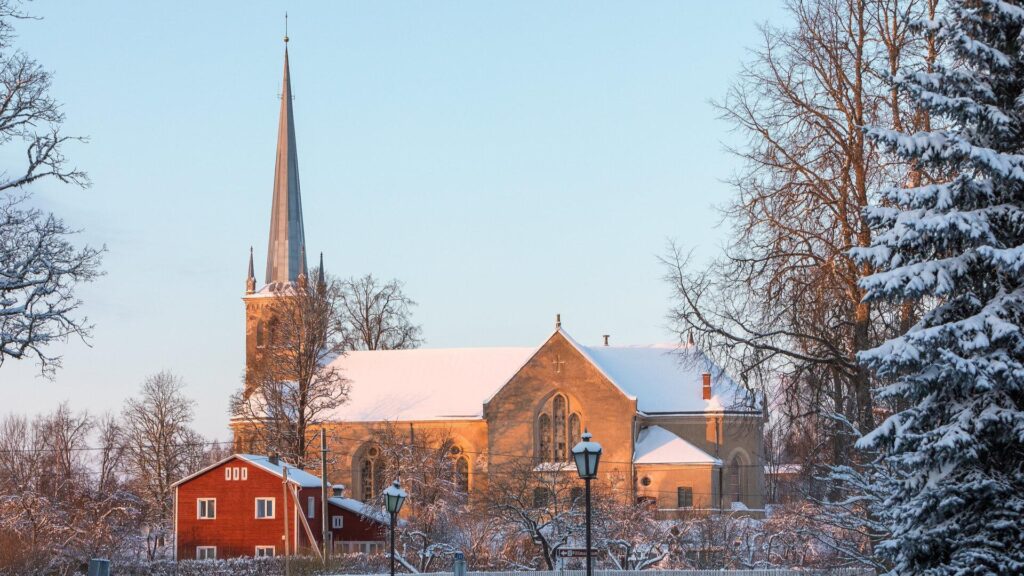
<point>273,508</point>
<point>203,552</point>
<point>234,472</point>
<point>227,473</point>
<point>337,522</point>
<point>264,550</point>
<point>199,509</point>
<point>245,473</point>
<point>311,507</point>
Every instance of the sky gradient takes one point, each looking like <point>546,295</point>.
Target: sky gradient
<point>506,161</point>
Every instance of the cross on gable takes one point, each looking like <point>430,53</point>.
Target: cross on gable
<point>558,362</point>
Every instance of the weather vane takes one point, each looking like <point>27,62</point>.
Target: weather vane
<point>286,27</point>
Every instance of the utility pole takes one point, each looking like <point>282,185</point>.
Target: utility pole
<point>323,498</point>
<point>284,514</point>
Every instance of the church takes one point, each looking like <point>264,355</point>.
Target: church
<point>680,433</point>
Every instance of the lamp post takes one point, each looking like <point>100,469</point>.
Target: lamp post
<point>587,455</point>
<point>394,497</point>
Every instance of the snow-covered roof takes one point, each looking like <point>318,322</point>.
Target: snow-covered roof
<point>434,384</point>
<point>367,510</point>
<point>300,477</point>
<point>274,289</point>
<point>424,383</point>
<point>667,378</point>
<point>656,445</point>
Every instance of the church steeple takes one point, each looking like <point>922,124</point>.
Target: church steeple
<point>285,261</point>
<point>250,280</point>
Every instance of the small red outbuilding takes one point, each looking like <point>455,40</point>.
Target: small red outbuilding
<point>240,506</point>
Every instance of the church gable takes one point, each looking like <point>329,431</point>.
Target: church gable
<point>543,408</point>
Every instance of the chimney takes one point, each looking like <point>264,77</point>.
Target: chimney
<point>338,491</point>
<point>606,337</point>
<point>707,385</point>
<point>274,459</point>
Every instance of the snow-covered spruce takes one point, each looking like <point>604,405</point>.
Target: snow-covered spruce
<point>957,242</point>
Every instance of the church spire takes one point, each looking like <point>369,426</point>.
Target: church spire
<point>321,281</point>
<point>250,280</point>
<point>285,261</point>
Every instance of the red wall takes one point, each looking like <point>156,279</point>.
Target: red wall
<point>356,527</point>
<point>236,531</point>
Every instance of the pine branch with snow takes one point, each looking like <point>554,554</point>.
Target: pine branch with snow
<point>957,244</point>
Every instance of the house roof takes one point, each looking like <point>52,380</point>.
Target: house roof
<point>436,384</point>
<point>299,477</point>
<point>656,445</point>
<point>365,510</point>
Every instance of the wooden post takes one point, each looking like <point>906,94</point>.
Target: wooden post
<point>323,496</point>
<point>284,514</point>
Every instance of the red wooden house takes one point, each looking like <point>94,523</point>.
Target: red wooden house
<point>241,506</point>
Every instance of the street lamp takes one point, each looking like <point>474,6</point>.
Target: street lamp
<point>394,497</point>
<point>587,455</point>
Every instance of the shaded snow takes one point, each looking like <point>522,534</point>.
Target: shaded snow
<point>656,445</point>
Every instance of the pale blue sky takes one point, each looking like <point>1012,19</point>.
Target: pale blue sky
<point>506,160</point>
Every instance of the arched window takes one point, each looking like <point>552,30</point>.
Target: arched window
<point>557,432</point>
<point>260,336</point>
<point>574,429</point>
<point>544,437</point>
<point>559,440</point>
<point>370,474</point>
<point>462,474</point>
<point>734,488</point>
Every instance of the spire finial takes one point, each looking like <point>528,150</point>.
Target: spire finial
<point>250,280</point>
<point>321,278</point>
<point>558,320</point>
<point>286,28</point>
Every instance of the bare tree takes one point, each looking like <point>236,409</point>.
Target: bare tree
<point>56,508</point>
<point>378,315</point>
<point>785,297</point>
<point>540,502</point>
<point>39,266</point>
<point>291,386</point>
<point>160,449</point>
<point>425,464</point>
<point>632,536</point>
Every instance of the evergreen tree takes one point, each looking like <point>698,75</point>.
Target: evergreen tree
<point>957,244</point>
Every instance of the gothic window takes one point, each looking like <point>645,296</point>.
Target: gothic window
<point>559,440</point>
<point>462,474</point>
<point>574,429</point>
<point>544,437</point>
<point>370,474</point>
<point>556,430</point>
<point>260,337</point>
<point>734,485</point>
